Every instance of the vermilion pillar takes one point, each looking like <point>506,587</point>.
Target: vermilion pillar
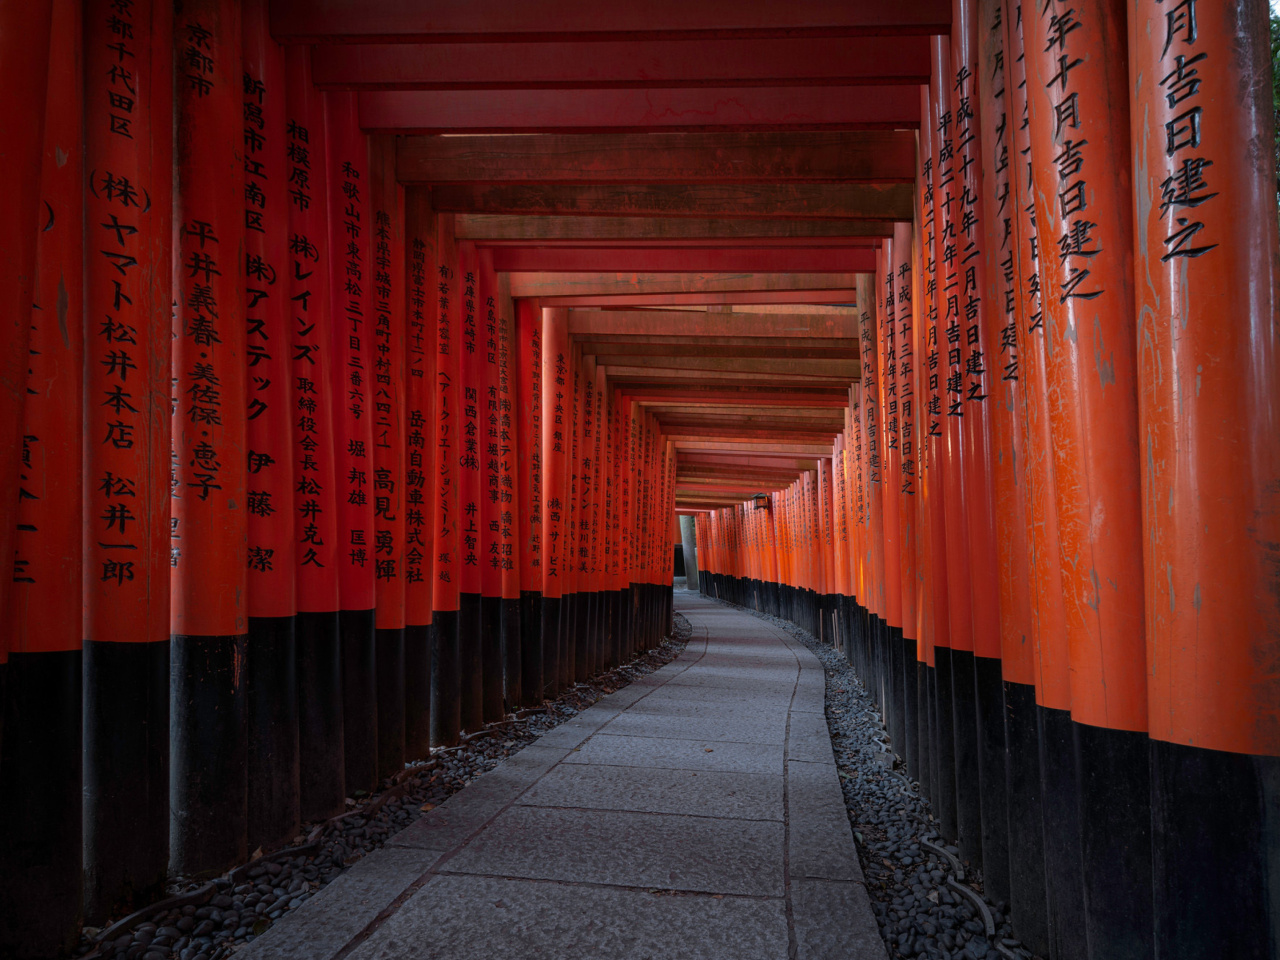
<point>557,438</point>
<point>471,662</point>
<point>388,330</point>
<point>953,543</point>
<point>271,679</point>
<point>210,615</point>
<point>488,455</point>
<point>40,815</point>
<point>528,403</point>
<point>889,641</point>
<point>446,681</point>
<point>904,344</point>
<point>1030,833</point>
<point>1081,178</point>
<point>24,65</point>
<point>869,412</point>
<point>1206,269</point>
<point>587,634</point>
<point>347,165</point>
<point>315,488</point>
<point>128,212</point>
<point>419,259</point>
<point>973,237</point>
<point>510,488</point>
<point>572,642</point>
<point>1013,875</point>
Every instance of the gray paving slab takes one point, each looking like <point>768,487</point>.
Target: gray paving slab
<point>681,754</point>
<point>326,922</point>
<point>473,918</point>
<point>635,830</point>
<point>629,850</point>
<point>649,790</point>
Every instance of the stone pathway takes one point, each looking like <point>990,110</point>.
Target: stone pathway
<point>693,814</point>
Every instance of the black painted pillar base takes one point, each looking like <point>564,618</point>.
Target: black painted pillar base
<point>359,700</point>
<point>964,709</point>
<point>40,813</point>
<point>1027,904</point>
<point>608,629</point>
<point>209,786</point>
<point>911,707</point>
<point>622,623</point>
<point>490,640</point>
<point>389,658</point>
<point>446,682</point>
<point>1216,853</point>
<point>1113,767</point>
<point>418,641</point>
<point>944,800</point>
<point>992,777</point>
<point>271,684</point>
<point>126,775</point>
<point>322,787</point>
<point>1063,854</point>
<point>470,663</point>
<point>924,728</point>
<point>552,610</point>
<point>569,640</point>
<point>583,637</point>
<point>510,632</point>
<point>531,656</point>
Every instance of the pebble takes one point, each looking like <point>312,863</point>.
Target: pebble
<point>241,912</point>
<point>917,915</point>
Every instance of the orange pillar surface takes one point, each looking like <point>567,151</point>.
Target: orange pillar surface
<point>1202,130</point>
<point>531,537</point>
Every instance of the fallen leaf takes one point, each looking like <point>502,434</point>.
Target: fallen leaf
<point>427,806</point>
<point>709,750</point>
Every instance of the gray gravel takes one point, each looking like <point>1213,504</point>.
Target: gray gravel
<point>920,911</point>
<point>242,904</point>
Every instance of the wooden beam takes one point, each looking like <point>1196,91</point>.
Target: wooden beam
<point>730,328</point>
<point>655,259</point>
<point>764,368</point>
<point>652,158</point>
<point>630,63</point>
<point>766,446</point>
<point>784,201</point>
<point>494,227</point>
<point>444,21</point>
<point>614,282</point>
<point>654,109</point>
<point>694,347</point>
<point>762,395</point>
<point>842,296</point>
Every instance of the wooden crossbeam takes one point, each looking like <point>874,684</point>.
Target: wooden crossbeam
<point>506,227</point>
<point>653,158</point>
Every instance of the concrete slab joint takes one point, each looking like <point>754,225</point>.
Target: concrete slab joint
<point>695,814</point>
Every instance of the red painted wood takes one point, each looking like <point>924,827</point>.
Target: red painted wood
<point>420,407</point>
<point>629,63</point>
<point>814,259</point>
<point>437,21</point>
<point>653,109</point>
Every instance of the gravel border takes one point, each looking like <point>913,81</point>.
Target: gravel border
<point>927,902</point>
<point>210,920</point>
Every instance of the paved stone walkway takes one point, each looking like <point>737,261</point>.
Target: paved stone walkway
<point>693,814</point>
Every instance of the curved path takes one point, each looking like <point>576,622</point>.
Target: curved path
<point>693,814</point>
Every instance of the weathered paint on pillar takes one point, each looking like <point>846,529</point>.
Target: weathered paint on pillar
<point>316,544</point>
<point>557,424</point>
<point>271,656</point>
<point>530,538</point>
<point>419,266</point>
<point>40,815</point>
<point>210,615</point>
<point>128,207</point>
<point>470,549</point>
<point>385,282</point>
<point>1209,404</point>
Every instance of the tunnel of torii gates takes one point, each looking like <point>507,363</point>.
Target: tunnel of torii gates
<point>358,358</point>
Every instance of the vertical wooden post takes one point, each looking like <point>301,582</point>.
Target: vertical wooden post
<point>446,679</point>
<point>510,500</point>
<point>210,620</point>
<point>128,172</point>
<point>271,653</point>
<point>490,554</point>
<point>1209,401</point>
<point>40,813</point>
<point>471,663</point>
<point>320,729</point>
<point>1081,176</point>
<point>532,537</point>
<point>557,422</point>
<point>419,271</point>
<point>1029,833</point>
<point>385,282</point>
